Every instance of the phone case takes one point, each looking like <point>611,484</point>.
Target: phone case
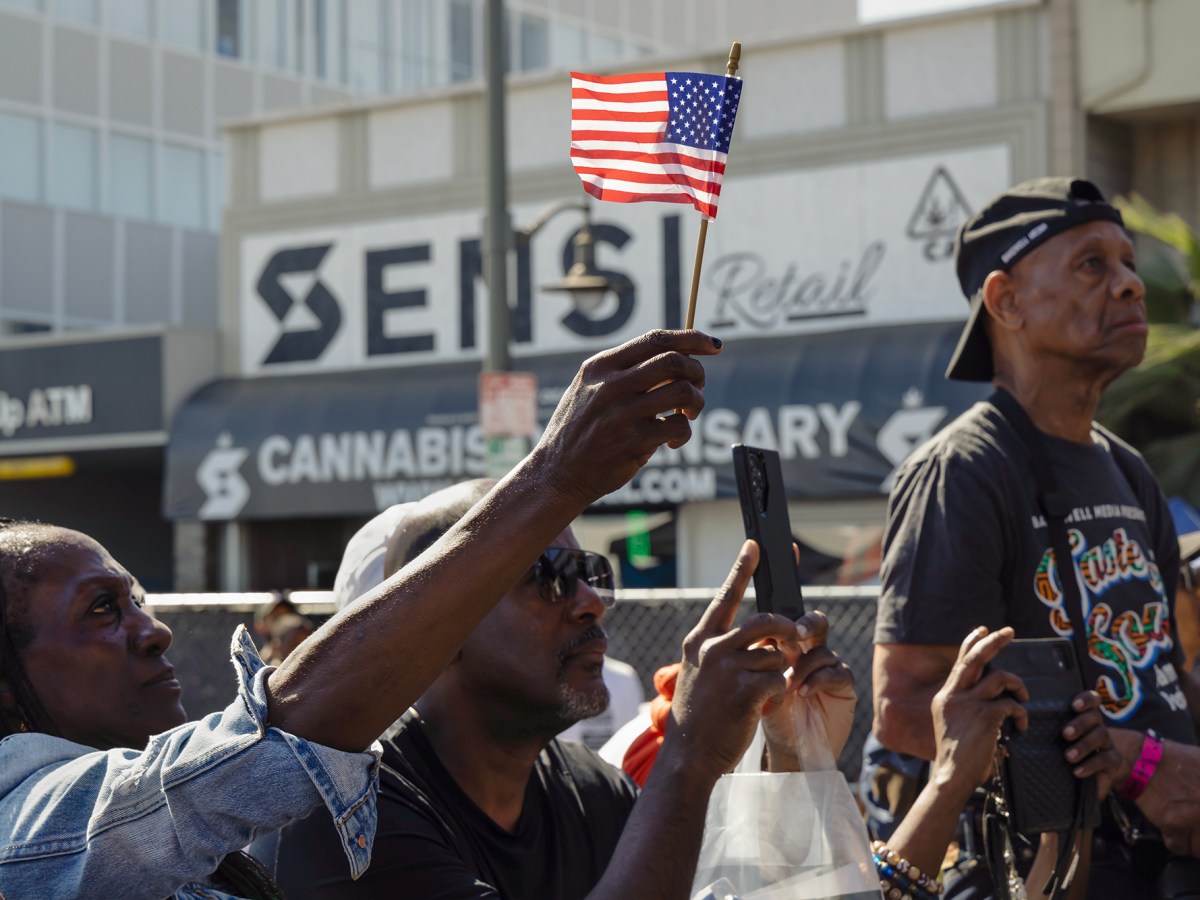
<point>765,516</point>
<point>1042,791</point>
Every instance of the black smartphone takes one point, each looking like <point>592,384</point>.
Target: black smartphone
<point>765,516</point>
<point>1042,791</point>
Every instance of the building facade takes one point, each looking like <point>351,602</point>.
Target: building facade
<point>354,314</point>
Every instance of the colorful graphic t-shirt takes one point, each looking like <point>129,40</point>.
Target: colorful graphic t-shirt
<point>966,546</point>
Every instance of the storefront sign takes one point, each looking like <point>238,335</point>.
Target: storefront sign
<point>843,410</point>
<point>794,252</point>
<point>54,391</point>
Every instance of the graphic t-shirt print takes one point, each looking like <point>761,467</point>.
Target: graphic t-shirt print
<point>1126,608</point>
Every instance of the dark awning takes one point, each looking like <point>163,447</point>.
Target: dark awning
<point>843,409</point>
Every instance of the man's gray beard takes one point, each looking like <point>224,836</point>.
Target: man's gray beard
<point>575,705</point>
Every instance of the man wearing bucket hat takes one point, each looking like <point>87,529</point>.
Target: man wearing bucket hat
<point>977,517</point>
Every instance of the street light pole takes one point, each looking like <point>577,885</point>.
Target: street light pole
<point>499,224</point>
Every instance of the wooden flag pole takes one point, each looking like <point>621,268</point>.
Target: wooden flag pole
<point>731,67</point>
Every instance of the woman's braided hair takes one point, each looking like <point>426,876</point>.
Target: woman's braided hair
<point>239,873</point>
<point>18,572</point>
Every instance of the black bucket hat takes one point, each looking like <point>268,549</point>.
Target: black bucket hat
<point>999,235</point>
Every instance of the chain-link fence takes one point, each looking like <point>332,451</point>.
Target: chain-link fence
<point>645,629</point>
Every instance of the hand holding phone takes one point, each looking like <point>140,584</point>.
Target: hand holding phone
<point>765,517</point>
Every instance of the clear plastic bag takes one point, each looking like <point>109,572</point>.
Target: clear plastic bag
<point>787,835</point>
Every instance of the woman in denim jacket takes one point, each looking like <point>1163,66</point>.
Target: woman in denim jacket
<point>106,790</point>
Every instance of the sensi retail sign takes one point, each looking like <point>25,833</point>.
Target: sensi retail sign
<point>794,252</point>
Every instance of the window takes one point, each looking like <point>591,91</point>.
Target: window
<point>216,190</point>
<point>22,326</point>
<point>535,43</point>
<point>566,50</point>
<point>78,10</point>
<point>462,41</point>
<point>229,28</point>
<point>183,23</point>
<point>183,195</point>
<point>30,5</point>
<point>74,160</point>
<point>130,177</point>
<point>21,174</point>
<point>366,46</point>
<point>604,49</point>
<point>130,16</point>
<point>329,27</point>
<point>415,68</point>
<point>273,32</point>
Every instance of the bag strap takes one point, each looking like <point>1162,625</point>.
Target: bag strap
<point>1055,507</point>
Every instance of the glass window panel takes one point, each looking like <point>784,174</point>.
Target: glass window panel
<point>183,196</point>
<point>21,174</point>
<point>216,191</point>
<point>74,160</point>
<point>130,177</point>
<point>366,36</point>
<point>78,10</point>
<point>604,49</point>
<point>329,27</point>
<point>30,5</point>
<point>462,40</point>
<point>229,28</point>
<point>183,23</point>
<point>130,16</point>
<point>535,43</point>
<point>267,31</point>
<point>566,47</point>
<point>414,68</point>
<point>281,35</point>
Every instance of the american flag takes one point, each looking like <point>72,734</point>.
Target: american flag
<point>654,136</point>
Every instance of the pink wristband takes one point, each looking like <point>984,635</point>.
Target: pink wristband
<point>1144,768</point>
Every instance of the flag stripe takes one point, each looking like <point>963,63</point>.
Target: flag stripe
<point>598,109</point>
<point>636,187</point>
<point>619,158</point>
<point>655,128</point>
<point>603,193</point>
<point>700,185</point>
<point>617,82</point>
<point>592,100</point>
<point>643,149</point>
<point>646,167</point>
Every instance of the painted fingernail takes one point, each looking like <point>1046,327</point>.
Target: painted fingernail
<point>717,342</point>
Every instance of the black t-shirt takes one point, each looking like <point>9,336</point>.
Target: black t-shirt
<point>966,546</point>
<point>434,843</point>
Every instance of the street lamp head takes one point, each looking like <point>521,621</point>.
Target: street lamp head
<point>583,283</point>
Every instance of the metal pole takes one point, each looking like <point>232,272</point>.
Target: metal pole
<point>498,223</point>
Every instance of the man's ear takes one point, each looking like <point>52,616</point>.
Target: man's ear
<point>1000,300</point>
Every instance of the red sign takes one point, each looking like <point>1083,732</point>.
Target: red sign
<point>508,404</point>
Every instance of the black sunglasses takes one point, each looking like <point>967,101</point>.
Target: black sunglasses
<point>559,569</point>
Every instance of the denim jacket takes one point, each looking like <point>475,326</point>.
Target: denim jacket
<point>78,822</point>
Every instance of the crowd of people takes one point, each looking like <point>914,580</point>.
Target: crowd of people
<point>413,745</point>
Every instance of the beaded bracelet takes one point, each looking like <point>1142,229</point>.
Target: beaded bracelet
<point>904,878</point>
